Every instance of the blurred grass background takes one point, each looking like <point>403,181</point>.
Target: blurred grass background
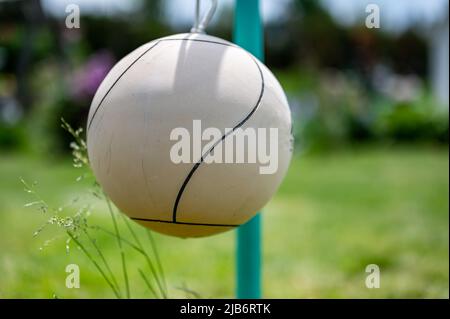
<point>333,216</point>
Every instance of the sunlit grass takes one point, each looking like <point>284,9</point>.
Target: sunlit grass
<point>334,214</point>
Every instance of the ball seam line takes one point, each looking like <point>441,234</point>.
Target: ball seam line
<point>196,166</point>
<point>181,223</point>
<point>117,80</point>
<point>187,179</point>
<point>138,58</point>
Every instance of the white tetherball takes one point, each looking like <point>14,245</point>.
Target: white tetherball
<point>171,85</point>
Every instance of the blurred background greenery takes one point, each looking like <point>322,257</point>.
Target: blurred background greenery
<point>368,182</point>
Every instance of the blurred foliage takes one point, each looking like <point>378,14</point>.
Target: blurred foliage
<point>333,109</point>
<point>46,67</point>
<point>13,137</point>
<point>413,122</point>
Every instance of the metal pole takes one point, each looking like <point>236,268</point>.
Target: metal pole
<point>248,34</point>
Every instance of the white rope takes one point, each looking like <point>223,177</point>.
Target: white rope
<point>200,25</point>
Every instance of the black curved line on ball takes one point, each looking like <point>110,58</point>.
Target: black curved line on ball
<point>139,57</point>
<point>196,166</point>
<point>117,80</point>
<point>182,223</point>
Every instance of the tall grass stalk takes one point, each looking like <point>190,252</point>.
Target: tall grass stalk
<point>102,257</point>
<point>141,251</point>
<point>147,258</point>
<point>76,227</point>
<point>119,243</point>
<point>158,260</point>
<point>94,262</point>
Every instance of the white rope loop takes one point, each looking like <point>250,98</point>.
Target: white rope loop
<point>200,25</point>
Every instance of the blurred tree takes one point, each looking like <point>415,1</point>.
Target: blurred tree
<point>307,35</point>
<point>102,40</point>
<point>31,36</point>
<point>33,16</point>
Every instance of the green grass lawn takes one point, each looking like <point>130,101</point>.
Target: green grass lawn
<point>334,214</point>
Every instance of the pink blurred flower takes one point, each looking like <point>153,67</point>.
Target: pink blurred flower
<point>88,78</point>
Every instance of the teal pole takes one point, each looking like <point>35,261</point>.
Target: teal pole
<point>248,34</point>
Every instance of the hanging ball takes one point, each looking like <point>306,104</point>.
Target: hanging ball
<point>189,135</point>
